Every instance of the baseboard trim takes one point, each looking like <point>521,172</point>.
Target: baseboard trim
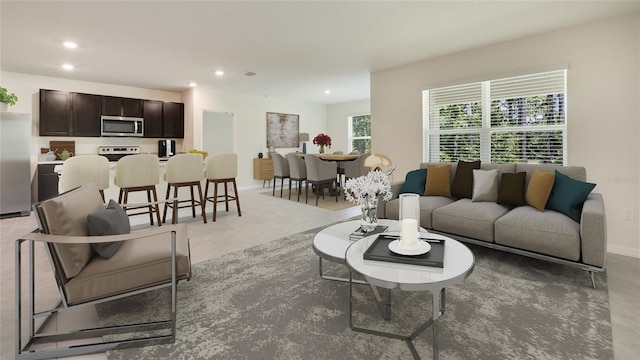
<point>623,250</point>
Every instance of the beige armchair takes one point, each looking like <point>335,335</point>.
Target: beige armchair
<point>320,173</point>
<point>147,260</point>
<point>297,172</point>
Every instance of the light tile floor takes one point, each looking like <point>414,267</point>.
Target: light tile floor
<point>265,218</point>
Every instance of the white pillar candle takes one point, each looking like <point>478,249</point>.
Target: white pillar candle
<point>409,234</point>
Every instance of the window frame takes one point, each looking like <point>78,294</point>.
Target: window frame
<point>351,138</point>
<point>485,131</point>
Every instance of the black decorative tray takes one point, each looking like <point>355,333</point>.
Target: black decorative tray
<point>379,250</point>
<point>360,233</point>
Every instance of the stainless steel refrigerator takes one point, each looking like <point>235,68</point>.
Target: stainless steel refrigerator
<point>15,164</point>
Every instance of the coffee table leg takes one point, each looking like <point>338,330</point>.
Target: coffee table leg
<point>335,278</point>
<point>383,299</point>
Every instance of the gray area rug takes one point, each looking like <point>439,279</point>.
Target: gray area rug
<point>267,302</point>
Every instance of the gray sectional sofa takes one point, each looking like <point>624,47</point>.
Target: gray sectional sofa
<point>547,235</point>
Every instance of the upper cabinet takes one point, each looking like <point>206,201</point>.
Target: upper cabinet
<point>55,113</point>
<point>117,106</point>
<point>152,118</point>
<point>75,114</point>
<point>85,114</point>
<point>173,122</point>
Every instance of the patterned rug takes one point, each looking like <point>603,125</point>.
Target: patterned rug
<point>267,302</point>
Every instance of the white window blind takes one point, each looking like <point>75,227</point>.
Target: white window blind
<point>517,119</point>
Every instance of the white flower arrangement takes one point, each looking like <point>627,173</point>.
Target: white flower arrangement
<point>368,187</point>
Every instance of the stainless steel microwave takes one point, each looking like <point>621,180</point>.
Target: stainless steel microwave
<point>121,126</point>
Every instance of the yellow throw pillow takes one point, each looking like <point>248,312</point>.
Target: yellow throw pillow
<point>539,189</point>
<point>438,180</point>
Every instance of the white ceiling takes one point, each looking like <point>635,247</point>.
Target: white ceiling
<point>298,49</point>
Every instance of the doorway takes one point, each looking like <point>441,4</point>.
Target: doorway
<point>218,132</point>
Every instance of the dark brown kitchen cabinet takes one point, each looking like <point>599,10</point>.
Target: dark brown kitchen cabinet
<point>55,113</point>
<point>173,122</point>
<point>152,111</point>
<point>117,106</point>
<point>86,109</point>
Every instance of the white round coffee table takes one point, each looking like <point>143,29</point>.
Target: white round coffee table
<point>331,243</point>
<point>458,264</point>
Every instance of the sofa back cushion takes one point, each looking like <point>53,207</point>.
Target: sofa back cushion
<point>66,214</point>
<point>575,172</point>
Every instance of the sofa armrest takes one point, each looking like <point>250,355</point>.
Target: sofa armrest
<point>593,231</point>
<point>382,205</point>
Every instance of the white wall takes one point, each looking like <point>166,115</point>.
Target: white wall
<point>338,122</point>
<point>602,106</point>
<point>250,114</point>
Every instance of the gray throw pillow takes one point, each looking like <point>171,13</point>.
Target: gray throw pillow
<point>113,220</point>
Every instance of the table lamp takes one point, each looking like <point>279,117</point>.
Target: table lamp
<point>303,137</point>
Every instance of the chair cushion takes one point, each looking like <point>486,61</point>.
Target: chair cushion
<point>66,214</point>
<point>568,195</point>
<point>414,182</point>
<point>427,205</point>
<point>546,232</point>
<point>471,219</point>
<point>112,220</point>
<point>139,263</point>
<point>462,186</point>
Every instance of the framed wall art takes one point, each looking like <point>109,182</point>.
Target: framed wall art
<point>283,130</point>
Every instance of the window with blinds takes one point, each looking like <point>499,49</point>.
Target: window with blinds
<point>518,119</point>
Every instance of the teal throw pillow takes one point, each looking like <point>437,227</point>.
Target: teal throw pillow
<point>415,182</point>
<point>568,195</point>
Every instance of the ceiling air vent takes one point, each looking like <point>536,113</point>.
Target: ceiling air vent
<point>249,73</point>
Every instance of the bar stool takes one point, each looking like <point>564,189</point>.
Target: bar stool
<point>84,169</point>
<point>222,169</point>
<point>139,172</point>
<point>180,171</point>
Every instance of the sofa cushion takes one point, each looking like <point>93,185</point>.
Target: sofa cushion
<point>438,180</point>
<point>485,185</point>
<point>539,189</point>
<point>547,232</point>
<point>568,195</point>
<point>462,186</point>
<point>471,219</point>
<point>427,205</point>
<point>415,182</point>
<point>112,220</point>
<point>66,214</point>
<point>138,263</point>
<point>511,190</point>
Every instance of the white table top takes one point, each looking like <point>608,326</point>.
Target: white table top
<point>458,265</point>
<point>332,242</point>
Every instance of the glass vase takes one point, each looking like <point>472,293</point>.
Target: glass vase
<point>409,220</point>
<point>321,149</point>
<point>369,218</point>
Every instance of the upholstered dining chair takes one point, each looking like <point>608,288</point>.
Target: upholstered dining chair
<point>355,168</point>
<point>222,169</point>
<point>84,169</point>
<point>297,172</point>
<point>185,170</point>
<point>319,174</point>
<point>146,260</point>
<point>140,172</point>
<point>280,171</point>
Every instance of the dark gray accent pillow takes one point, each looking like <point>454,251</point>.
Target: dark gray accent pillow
<point>113,220</point>
<point>462,186</point>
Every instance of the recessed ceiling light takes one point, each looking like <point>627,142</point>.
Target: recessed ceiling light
<point>327,92</point>
<point>219,72</point>
<point>192,84</point>
<point>67,66</point>
<point>70,44</point>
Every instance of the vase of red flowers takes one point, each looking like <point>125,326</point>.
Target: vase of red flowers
<point>322,140</point>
